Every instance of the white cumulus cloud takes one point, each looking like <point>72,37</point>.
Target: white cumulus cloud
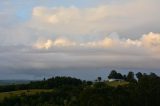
<point>96,20</point>
<point>150,42</point>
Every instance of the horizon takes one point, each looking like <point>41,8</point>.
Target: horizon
<point>78,38</point>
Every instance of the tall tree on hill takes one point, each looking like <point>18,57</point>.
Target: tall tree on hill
<point>139,75</point>
<point>115,75</point>
<point>130,77</point>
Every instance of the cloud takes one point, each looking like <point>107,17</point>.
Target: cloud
<point>41,44</point>
<point>54,55</point>
<point>45,45</point>
<point>78,37</point>
<point>96,20</point>
<point>76,22</point>
<point>81,58</point>
<point>150,42</point>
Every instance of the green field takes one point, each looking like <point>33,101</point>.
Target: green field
<point>23,92</point>
<point>117,83</point>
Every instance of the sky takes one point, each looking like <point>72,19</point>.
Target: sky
<point>79,38</point>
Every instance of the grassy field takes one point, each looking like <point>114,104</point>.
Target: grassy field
<point>117,83</point>
<point>34,91</point>
<point>24,92</point>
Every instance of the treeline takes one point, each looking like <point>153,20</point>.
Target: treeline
<point>54,82</point>
<point>142,90</point>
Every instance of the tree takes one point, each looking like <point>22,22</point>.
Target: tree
<point>119,76</point>
<point>99,79</point>
<point>113,74</point>
<point>130,77</point>
<point>125,77</point>
<point>139,75</point>
<point>153,75</point>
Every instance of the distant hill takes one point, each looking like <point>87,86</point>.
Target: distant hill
<point>144,90</point>
<point>10,82</point>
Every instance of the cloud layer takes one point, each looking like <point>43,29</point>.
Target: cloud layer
<point>96,20</point>
<point>111,52</point>
<point>150,42</point>
<point>39,37</point>
<point>130,19</point>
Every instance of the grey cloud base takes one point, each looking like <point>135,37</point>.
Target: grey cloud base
<point>34,62</point>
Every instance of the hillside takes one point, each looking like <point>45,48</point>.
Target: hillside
<point>4,95</point>
<point>67,91</point>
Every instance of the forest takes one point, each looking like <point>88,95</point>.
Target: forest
<point>133,89</point>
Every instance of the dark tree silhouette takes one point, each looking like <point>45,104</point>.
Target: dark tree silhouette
<point>115,75</point>
<point>139,75</point>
